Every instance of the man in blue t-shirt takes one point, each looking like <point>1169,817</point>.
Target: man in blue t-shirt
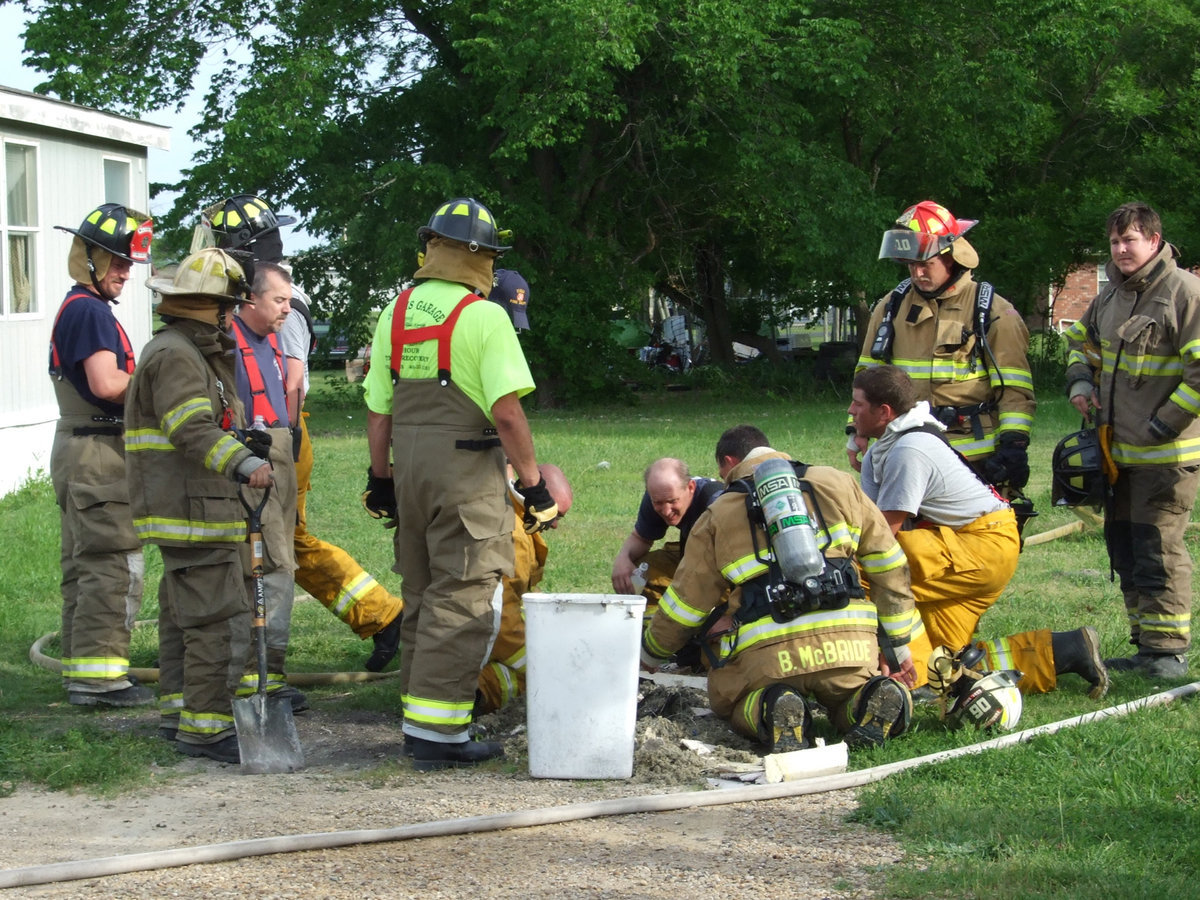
<point>91,361</point>
<point>261,380</point>
<point>674,498</point>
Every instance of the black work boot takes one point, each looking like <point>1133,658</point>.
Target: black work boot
<point>224,750</point>
<point>133,695</point>
<point>881,709</point>
<point>1078,653</point>
<point>786,721</point>
<point>430,755</point>
<point>387,644</point>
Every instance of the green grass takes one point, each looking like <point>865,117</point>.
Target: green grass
<point>1109,809</point>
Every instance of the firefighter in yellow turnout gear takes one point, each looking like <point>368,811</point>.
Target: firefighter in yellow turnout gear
<point>763,662</point>
<point>1134,362</point>
<point>959,536</point>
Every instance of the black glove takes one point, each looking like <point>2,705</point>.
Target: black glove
<point>257,441</point>
<point>1009,464</point>
<point>540,508</point>
<point>379,499</point>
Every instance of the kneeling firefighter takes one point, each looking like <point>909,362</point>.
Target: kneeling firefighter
<point>773,595</point>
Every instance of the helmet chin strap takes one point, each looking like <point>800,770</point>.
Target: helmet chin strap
<point>95,281</point>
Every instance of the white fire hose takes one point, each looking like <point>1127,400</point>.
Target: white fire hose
<point>183,856</point>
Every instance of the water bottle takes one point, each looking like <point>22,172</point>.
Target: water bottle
<point>259,424</point>
<point>789,527</point>
<point>639,577</point>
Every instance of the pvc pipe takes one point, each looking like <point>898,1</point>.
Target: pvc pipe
<point>1044,537</point>
<point>183,856</point>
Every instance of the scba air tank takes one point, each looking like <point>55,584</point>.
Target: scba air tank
<point>789,527</point>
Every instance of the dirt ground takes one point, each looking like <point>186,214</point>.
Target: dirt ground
<point>355,780</point>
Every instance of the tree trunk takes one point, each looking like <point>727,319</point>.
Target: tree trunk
<point>710,288</point>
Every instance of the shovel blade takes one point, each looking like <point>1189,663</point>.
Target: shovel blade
<point>266,733</point>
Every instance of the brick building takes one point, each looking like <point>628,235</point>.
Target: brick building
<point>1066,306</point>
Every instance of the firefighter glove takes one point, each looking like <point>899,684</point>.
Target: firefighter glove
<point>379,499</point>
<point>258,442</point>
<point>1009,464</point>
<point>540,508</point>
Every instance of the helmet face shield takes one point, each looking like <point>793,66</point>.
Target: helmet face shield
<point>905,245</point>
<point>923,231</point>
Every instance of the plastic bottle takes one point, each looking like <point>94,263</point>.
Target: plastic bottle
<point>259,424</point>
<point>789,527</point>
<point>639,577</point>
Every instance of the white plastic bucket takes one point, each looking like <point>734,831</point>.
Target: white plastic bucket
<point>581,683</point>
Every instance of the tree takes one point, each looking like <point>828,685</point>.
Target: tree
<point>710,150</point>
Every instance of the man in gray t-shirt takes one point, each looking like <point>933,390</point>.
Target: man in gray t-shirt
<point>960,538</point>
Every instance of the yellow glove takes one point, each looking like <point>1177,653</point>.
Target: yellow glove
<point>540,509</point>
<point>951,675</point>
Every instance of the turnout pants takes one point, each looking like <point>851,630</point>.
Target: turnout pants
<point>203,640</point>
<point>1144,530</point>
<point>101,557</point>
<point>279,564</point>
<point>956,576</point>
<point>735,691</point>
<point>451,549</point>
<point>503,678</point>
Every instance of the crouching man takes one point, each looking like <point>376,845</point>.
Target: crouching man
<point>770,642</point>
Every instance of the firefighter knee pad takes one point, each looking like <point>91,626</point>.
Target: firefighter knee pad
<point>881,709</point>
<point>786,721</point>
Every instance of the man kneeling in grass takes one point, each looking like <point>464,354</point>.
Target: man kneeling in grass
<point>960,538</point>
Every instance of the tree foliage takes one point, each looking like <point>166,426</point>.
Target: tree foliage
<point>742,159</point>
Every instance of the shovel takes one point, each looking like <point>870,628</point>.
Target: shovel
<point>266,731</point>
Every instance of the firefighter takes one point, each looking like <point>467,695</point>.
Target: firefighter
<point>186,450</point>
<point>1134,364</point>
<point>960,538</point>
<point>326,571</point>
<point>443,397</point>
<point>770,641</point>
<point>964,346</point>
<point>91,361</point>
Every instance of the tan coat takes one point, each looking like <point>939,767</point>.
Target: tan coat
<point>937,346</point>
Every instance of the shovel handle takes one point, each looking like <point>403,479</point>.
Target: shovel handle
<point>254,527</point>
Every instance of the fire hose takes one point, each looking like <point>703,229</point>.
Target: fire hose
<point>162,859</point>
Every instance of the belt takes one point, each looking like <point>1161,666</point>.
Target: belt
<point>106,430</point>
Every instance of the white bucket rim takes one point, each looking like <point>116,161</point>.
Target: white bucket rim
<point>630,600</point>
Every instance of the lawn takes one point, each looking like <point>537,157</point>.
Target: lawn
<point>1109,809</point>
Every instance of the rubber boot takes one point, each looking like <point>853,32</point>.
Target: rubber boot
<point>1078,653</point>
<point>387,645</point>
<point>431,755</point>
